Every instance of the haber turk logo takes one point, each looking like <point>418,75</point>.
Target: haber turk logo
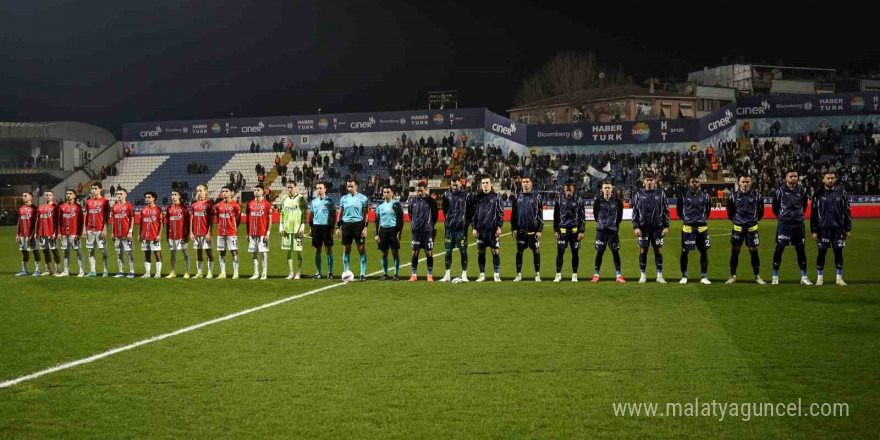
<point>857,103</point>
<point>439,119</point>
<point>641,131</point>
<point>323,123</point>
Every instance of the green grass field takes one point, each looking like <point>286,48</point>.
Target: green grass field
<point>403,360</point>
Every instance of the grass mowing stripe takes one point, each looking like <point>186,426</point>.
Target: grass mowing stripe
<point>99,356</point>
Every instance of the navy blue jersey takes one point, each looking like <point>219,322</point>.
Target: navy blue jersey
<point>527,214</point>
<point>488,213</point>
<point>458,209</point>
<point>608,213</point>
<point>790,205</point>
<point>569,213</point>
<point>650,209</point>
<point>831,210</point>
<point>693,207</point>
<point>745,208</point>
<point>422,215</point>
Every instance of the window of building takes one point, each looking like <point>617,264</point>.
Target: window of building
<point>666,110</point>
<point>644,109</point>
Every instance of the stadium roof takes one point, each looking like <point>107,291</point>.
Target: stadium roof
<point>74,131</point>
<point>602,94</point>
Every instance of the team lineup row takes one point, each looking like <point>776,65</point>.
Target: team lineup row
<point>41,228</point>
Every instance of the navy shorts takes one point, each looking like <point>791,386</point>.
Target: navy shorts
<point>422,241</point>
<point>569,238</point>
<point>831,238</point>
<point>607,238</point>
<point>525,239</point>
<point>388,239</point>
<point>651,237</point>
<point>695,237</point>
<point>790,234</point>
<point>747,234</point>
<point>487,239</point>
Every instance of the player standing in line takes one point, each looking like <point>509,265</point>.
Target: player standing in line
<point>569,219</point>
<point>177,223</point>
<point>69,231</point>
<point>228,214</point>
<point>292,228</point>
<point>745,208</point>
<point>389,225</point>
<point>352,225</point>
<point>97,217</point>
<point>259,212</point>
<point>423,219</point>
<point>123,228</point>
<point>201,223</point>
<point>831,225</point>
<point>47,228</point>
<point>608,213</point>
<point>26,240</point>
<point>488,219</point>
<point>789,206</point>
<point>526,225</point>
<point>151,230</point>
<point>693,208</point>
<point>651,224</point>
<point>321,225</point>
<point>458,210</point>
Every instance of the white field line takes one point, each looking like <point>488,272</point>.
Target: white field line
<point>117,350</point>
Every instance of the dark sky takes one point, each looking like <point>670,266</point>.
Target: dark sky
<point>109,62</point>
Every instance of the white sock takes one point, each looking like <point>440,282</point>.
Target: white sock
<point>256,266</point>
<point>158,268</point>
<point>265,262</point>
<point>24,266</point>
<point>119,263</point>
<point>92,262</point>
<point>185,261</point>
<point>147,268</point>
<point>222,265</point>
<point>235,264</point>
<point>210,266</point>
<point>131,262</point>
<point>199,266</point>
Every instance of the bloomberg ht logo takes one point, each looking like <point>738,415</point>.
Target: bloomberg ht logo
<point>507,131</point>
<point>721,123</point>
<point>253,128</point>
<point>759,110</point>
<point>152,133</point>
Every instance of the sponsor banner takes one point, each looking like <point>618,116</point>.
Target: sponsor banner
<point>612,133</point>
<point>309,124</point>
<point>766,127</point>
<point>506,128</point>
<point>793,106</point>
<point>717,121</point>
<point>339,140</point>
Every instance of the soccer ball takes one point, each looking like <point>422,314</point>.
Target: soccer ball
<point>456,280</point>
<point>347,276</point>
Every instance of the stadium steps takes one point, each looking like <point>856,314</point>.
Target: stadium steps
<point>272,177</point>
<point>244,163</point>
<point>174,169</point>
<point>132,170</point>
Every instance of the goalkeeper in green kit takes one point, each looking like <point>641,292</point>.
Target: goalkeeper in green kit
<point>292,228</point>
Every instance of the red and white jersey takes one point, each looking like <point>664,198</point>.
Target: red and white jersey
<point>258,215</point>
<point>27,220</point>
<point>151,223</point>
<point>177,222</point>
<point>70,219</point>
<point>202,218</point>
<point>228,215</point>
<point>97,212</point>
<point>48,220</point>
<point>122,219</point>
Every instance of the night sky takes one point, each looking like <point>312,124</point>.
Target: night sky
<point>109,62</point>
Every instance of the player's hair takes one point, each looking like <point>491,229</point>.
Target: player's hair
<point>745,176</point>
<point>152,194</point>
<point>320,182</point>
<point>291,182</point>
<point>421,185</point>
<point>260,186</point>
<point>694,177</point>
<point>28,193</point>
<point>70,191</point>
<point>829,172</point>
<point>389,188</point>
<point>526,178</point>
<point>48,191</point>
<point>175,191</point>
<point>790,170</point>
<point>482,178</point>
<point>649,175</point>
<point>226,187</point>
<point>98,184</point>
<point>350,180</point>
<point>570,183</point>
<point>122,189</point>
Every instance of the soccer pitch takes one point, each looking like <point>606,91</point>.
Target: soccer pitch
<point>418,360</point>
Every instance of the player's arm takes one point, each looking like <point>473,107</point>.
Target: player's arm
<point>708,206</point>
<point>636,218</point>
<point>760,207</point>
<point>664,210</point>
<point>106,213</point>
<point>469,211</point>
<point>445,204</point>
<point>398,212</point>
<point>366,216</point>
<point>847,214</point>
<point>514,213</point>
<point>187,224</point>
<point>268,220</point>
<point>556,215</point>
<point>581,215</point>
<point>85,219</point>
<point>130,222</point>
<point>167,230</point>
<point>435,212</point>
<point>777,202</point>
<point>236,217</point>
<point>332,216</point>
<point>679,205</point>
<point>499,216</point>
<point>814,214</point>
<point>731,207</point>
<point>619,210</point>
<point>539,213</point>
<point>80,226</point>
